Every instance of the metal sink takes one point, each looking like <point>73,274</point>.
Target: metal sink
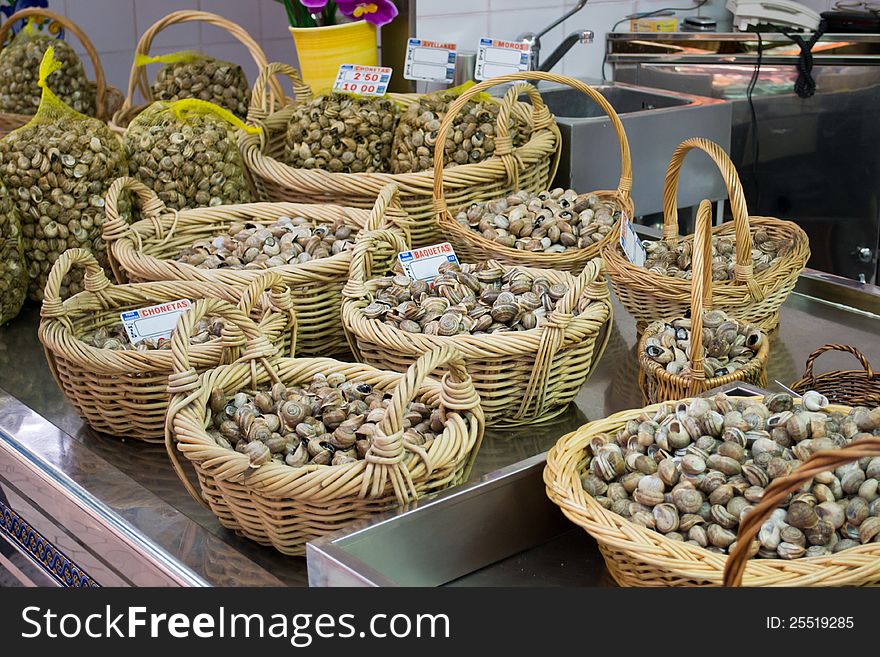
<point>655,122</point>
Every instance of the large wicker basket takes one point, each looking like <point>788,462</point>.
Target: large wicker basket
<point>145,250</point>
<point>521,376</point>
<point>138,78</point>
<point>123,393</point>
<point>107,99</point>
<point>656,382</point>
<point>530,167</point>
<point>851,387</point>
<point>752,298</point>
<point>474,247</point>
<point>637,556</point>
<point>284,506</point>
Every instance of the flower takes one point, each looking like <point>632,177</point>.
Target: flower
<point>314,6</point>
<point>377,12</point>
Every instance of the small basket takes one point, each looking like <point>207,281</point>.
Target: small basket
<point>123,393</point>
<point>530,167</point>
<point>144,252</point>
<point>850,387</point>
<point>285,506</point>
<point>656,382</point>
<point>474,247</point>
<point>138,78</point>
<point>751,298</point>
<point>521,376</point>
<point>637,556</point>
<point>107,99</point>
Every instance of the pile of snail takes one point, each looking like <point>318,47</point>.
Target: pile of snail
<point>692,471</point>
<point>551,221</point>
<point>116,339</point>
<point>674,259</point>
<point>466,299</point>
<point>290,240</point>
<point>729,344</point>
<point>329,421</point>
<point>204,78</point>
<point>13,271</point>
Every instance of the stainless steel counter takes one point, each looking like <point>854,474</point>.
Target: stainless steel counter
<point>113,513</point>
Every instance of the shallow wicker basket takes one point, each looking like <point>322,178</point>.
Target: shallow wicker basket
<point>126,113</point>
<point>637,556</point>
<point>123,393</point>
<point>851,387</point>
<point>656,382</point>
<point>107,99</point>
<point>752,298</point>
<point>530,167</point>
<point>145,250</point>
<point>283,506</point>
<point>521,376</point>
<point>474,247</point>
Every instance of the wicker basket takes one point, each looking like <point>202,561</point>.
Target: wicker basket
<point>473,247</point>
<point>144,252</point>
<point>284,506</point>
<point>752,298</point>
<point>850,387</point>
<point>656,383</point>
<point>637,556</point>
<point>521,376</point>
<point>107,99</point>
<point>531,166</point>
<point>123,393</point>
<point>138,78</point>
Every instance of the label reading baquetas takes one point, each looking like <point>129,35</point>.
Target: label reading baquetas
<point>422,264</point>
<point>362,80</point>
<point>429,60</point>
<point>153,322</point>
<point>496,57</point>
<point>630,242</point>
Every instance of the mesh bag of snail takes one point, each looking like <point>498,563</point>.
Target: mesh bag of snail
<point>13,271</point>
<point>186,151</point>
<point>57,168</point>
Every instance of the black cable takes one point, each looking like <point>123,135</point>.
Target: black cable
<point>756,150</point>
<point>805,85</point>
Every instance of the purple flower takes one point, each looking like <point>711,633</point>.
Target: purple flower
<point>377,12</point>
<point>314,6</point>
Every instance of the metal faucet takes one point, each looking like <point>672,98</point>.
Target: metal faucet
<point>534,41</point>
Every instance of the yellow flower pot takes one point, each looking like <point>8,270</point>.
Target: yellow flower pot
<point>322,50</point>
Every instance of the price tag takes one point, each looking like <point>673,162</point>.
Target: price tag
<point>496,57</point>
<point>429,60</point>
<point>153,322</point>
<point>630,242</point>
<point>423,264</point>
<point>362,80</point>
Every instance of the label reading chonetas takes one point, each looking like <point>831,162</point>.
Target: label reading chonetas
<point>154,322</point>
<point>630,242</point>
<point>362,80</point>
<point>429,60</point>
<point>422,264</point>
<point>496,57</point>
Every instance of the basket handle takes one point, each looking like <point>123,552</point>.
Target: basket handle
<point>115,227</point>
<point>100,80</point>
<point>264,98</point>
<point>542,119</point>
<point>138,77</point>
<point>184,384</point>
<point>279,295</point>
<point>94,279</point>
<point>808,371</point>
<point>701,288</point>
<point>388,198</point>
<point>385,458</point>
<point>778,491</point>
<point>360,270</point>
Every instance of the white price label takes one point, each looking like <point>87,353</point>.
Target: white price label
<point>496,57</point>
<point>429,61</point>
<point>423,264</point>
<point>630,242</point>
<point>155,322</point>
<point>362,80</point>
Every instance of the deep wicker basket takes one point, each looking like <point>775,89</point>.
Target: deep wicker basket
<point>530,167</point>
<point>284,506</point>
<point>752,298</point>
<point>474,247</point>
<point>123,393</point>
<point>145,250</point>
<point>850,387</point>
<point>521,376</point>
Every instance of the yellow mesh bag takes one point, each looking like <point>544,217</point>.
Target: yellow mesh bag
<point>13,273</point>
<point>187,152</point>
